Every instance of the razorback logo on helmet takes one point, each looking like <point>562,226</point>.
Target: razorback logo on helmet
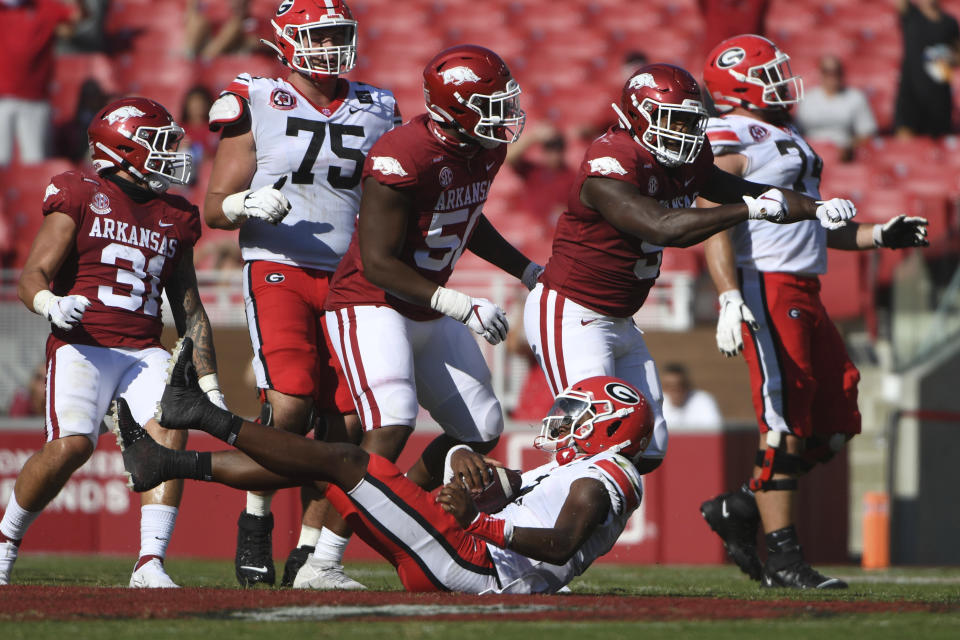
<point>606,165</point>
<point>642,80</point>
<point>388,166</point>
<point>758,133</point>
<point>121,114</point>
<point>459,75</point>
<point>282,99</point>
<point>731,57</point>
<point>622,392</point>
<point>52,190</point>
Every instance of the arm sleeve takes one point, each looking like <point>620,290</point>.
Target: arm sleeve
<point>61,196</point>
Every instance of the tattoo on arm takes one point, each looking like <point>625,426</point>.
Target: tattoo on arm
<point>190,317</point>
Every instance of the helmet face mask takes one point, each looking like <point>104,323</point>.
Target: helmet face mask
<point>315,38</point>
<point>597,414</point>
<point>138,135</point>
<point>661,108</point>
<point>750,72</point>
<point>471,89</point>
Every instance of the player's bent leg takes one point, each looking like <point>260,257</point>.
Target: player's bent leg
<point>406,525</point>
<point>39,482</point>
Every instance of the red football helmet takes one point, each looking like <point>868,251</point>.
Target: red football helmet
<point>471,87</point>
<point>751,72</point>
<point>597,414</point>
<point>301,27</point>
<point>138,135</point>
<point>662,108</point>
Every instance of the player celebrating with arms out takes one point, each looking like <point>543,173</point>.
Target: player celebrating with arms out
<point>296,145</point>
<point>804,384</point>
<point>634,195</point>
<point>398,331</point>
<point>565,514</point>
<point>111,246</point>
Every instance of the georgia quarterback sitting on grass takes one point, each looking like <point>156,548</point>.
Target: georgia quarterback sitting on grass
<point>565,515</point>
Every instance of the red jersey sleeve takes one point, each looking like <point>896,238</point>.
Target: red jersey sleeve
<point>389,164</point>
<point>611,156</point>
<point>62,195</point>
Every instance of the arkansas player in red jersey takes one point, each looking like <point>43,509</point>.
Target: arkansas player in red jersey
<point>635,195</point>
<point>110,246</point>
<point>398,332</point>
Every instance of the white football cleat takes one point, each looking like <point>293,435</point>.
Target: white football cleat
<point>324,576</point>
<point>8,554</point>
<point>151,575</point>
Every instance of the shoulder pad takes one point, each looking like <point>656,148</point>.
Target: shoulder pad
<point>226,110</point>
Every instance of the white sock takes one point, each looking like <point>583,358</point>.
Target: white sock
<point>259,505</point>
<point>330,547</point>
<point>16,520</point>
<point>308,536</point>
<point>156,527</point>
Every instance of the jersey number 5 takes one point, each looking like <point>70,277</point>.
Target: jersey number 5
<point>335,176</point>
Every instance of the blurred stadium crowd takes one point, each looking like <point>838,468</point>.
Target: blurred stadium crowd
<point>568,58</point>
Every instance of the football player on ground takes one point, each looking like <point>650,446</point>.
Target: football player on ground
<point>400,334</point>
<point>296,145</point>
<point>569,512</point>
<point>110,246</point>
<point>634,195</point>
<point>804,384</point>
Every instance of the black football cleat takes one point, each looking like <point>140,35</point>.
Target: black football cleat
<point>295,560</point>
<point>254,558</point>
<point>799,575</point>
<point>142,456</point>
<point>734,517</point>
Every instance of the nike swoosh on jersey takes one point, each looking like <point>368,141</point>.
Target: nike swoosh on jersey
<point>166,224</point>
<point>584,323</point>
<point>490,165</point>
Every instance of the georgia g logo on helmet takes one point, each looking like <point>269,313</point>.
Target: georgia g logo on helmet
<point>731,57</point>
<point>284,7</point>
<point>622,393</point>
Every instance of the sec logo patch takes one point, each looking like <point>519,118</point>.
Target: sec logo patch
<point>758,133</point>
<point>274,278</point>
<point>100,204</point>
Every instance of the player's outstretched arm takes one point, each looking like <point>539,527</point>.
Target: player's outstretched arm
<point>487,243</point>
<point>631,211</point>
<point>190,318</point>
<point>50,248</point>
<point>899,232</point>
<point>585,508</point>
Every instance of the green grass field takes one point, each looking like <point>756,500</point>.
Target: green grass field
<point>939,586</point>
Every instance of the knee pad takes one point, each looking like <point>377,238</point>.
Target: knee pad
<point>774,459</point>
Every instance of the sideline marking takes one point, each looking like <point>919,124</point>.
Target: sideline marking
<point>320,613</point>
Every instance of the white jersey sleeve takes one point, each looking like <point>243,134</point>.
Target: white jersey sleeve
<point>779,157</point>
<point>543,494</point>
<point>321,150</point>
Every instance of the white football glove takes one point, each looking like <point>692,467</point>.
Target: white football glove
<point>481,315</point>
<point>835,213</point>
<point>733,312</point>
<point>769,205</point>
<point>63,311</point>
<point>266,203</point>
<point>530,275</point>
<point>211,387</point>
<point>900,232</point>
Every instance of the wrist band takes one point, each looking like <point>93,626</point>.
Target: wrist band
<point>41,300</point>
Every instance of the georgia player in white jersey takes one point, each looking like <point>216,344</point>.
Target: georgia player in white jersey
<point>110,246</point>
<point>804,384</point>
<point>296,145</point>
<point>566,514</point>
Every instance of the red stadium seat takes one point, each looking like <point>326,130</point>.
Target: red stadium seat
<point>218,73</point>
<point>70,72</point>
<point>22,189</point>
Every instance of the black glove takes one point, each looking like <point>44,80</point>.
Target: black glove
<point>900,232</point>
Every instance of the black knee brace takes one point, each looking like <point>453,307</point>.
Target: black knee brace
<point>773,460</point>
